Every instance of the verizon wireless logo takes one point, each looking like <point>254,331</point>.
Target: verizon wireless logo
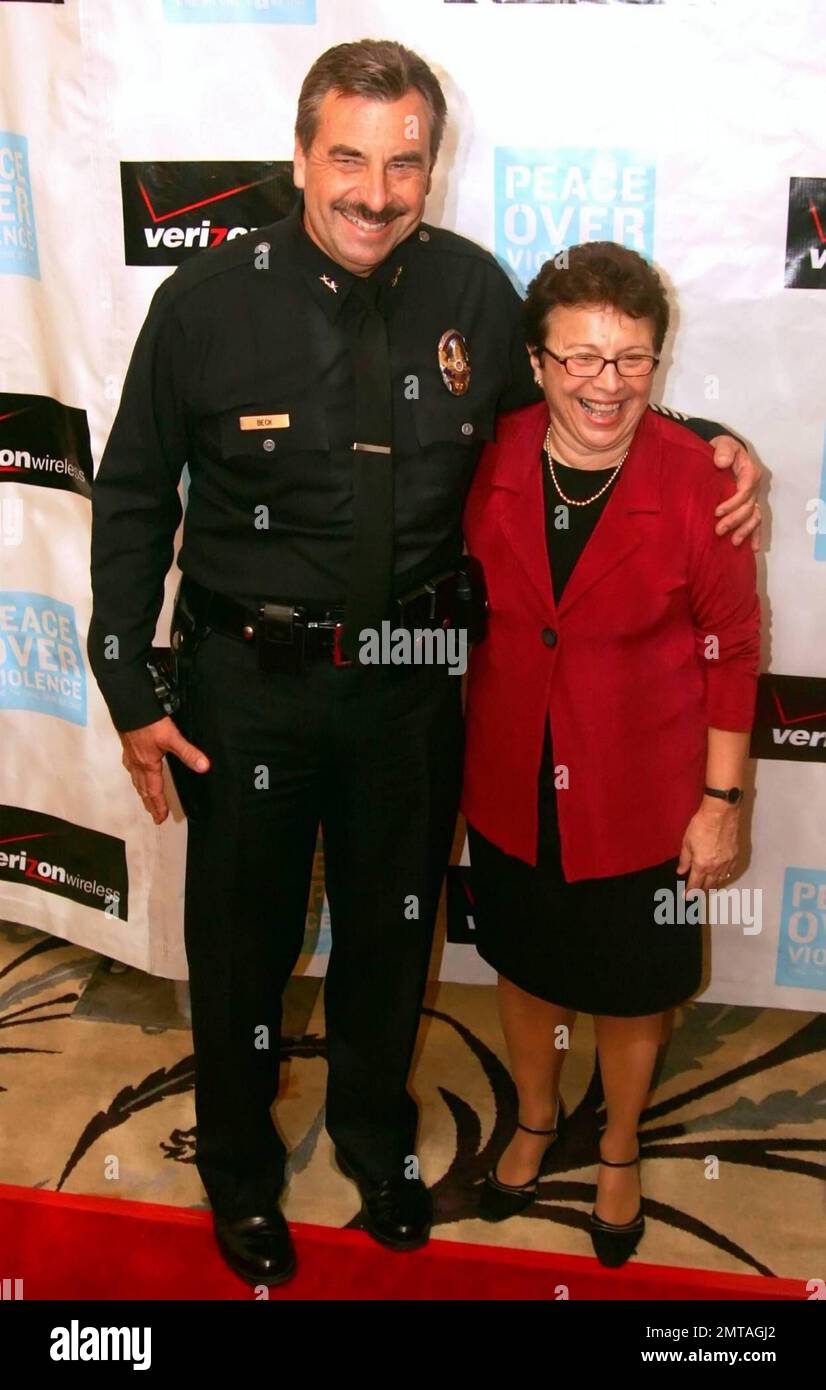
<point>173,210</point>
<point>790,720</point>
<point>51,855</point>
<point>45,443</point>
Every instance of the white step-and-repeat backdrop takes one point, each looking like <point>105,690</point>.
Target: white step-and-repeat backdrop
<point>134,133</point>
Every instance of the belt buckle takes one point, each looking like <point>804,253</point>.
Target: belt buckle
<point>279,637</point>
<point>339,658</point>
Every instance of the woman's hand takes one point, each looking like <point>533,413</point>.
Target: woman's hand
<point>709,848</point>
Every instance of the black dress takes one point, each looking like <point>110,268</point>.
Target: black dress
<point>593,945</point>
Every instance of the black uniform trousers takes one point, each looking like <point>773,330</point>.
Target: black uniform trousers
<point>373,755</point>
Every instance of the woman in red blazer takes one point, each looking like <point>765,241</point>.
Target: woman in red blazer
<point>608,714</point>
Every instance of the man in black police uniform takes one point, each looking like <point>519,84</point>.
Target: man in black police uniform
<point>330,381</point>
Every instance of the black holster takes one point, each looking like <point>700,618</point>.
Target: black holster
<point>171,671</point>
<point>471,602</point>
<point>456,599</point>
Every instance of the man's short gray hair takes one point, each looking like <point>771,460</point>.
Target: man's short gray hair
<point>378,69</point>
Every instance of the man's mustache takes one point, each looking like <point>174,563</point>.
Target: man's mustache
<point>377,219</point>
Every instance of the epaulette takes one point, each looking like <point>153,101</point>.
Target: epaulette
<point>221,259</point>
<point>440,239</point>
<point>669,413</point>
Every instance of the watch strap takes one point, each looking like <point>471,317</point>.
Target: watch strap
<point>734,795</point>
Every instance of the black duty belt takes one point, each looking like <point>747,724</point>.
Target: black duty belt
<point>288,635</point>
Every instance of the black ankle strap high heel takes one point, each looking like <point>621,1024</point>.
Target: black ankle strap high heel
<point>613,1242</point>
<point>499,1200</point>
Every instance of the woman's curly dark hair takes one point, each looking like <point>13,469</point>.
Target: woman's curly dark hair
<point>597,273</point>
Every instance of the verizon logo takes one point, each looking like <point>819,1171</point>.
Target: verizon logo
<point>800,738</point>
<point>790,720</point>
<point>203,236</point>
<point>173,210</point>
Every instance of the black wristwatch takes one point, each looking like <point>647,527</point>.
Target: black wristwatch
<point>733,796</point>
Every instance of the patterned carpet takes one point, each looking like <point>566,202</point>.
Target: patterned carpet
<point>96,1096</point>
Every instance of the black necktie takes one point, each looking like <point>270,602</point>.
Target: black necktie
<point>371,563</point>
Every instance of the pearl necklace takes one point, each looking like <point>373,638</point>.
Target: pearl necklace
<point>573,501</point>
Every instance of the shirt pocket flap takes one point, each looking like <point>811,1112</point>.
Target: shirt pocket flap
<point>272,427</point>
<point>454,420</point>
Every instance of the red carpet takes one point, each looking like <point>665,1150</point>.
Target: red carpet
<point>72,1247</point>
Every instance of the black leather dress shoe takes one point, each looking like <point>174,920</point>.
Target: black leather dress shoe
<point>397,1211</point>
<point>259,1248</point>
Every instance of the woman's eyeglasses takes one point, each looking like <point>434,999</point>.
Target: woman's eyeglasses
<point>588,364</point>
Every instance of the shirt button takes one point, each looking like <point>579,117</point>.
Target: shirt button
<point>467,428</point>
<point>269,445</point>
<point>549,637</point>
<point>423,235</point>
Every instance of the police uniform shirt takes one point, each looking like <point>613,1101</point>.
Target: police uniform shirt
<point>243,371</point>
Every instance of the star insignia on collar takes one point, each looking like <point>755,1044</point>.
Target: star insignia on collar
<point>329,282</point>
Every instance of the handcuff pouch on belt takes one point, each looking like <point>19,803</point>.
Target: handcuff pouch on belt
<point>280,635</point>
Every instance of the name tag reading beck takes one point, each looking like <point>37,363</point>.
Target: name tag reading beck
<point>264,422</point>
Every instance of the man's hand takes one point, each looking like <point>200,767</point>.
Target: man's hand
<point>143,752</point>
<point>740,513</point>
